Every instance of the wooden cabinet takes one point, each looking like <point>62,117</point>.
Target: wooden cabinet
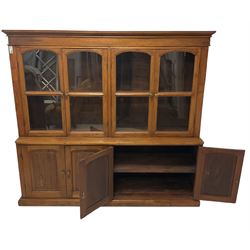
<point>113,118</point>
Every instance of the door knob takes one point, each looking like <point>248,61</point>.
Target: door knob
<point>83,196</point>
<point>68,174</point>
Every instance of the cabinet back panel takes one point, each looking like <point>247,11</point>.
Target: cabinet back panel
<point>158,159</point>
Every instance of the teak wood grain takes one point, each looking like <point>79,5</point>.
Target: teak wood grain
<point>54,164</point>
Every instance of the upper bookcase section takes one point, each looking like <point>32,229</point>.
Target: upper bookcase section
<point>109,38</point>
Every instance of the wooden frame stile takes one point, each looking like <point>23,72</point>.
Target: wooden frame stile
<point>25,94</point>
<point>103,53</point>
<point>17,90</point>
<point>200,89</point>
<point>193,94</point>
<point>114,93</point>
<point>109,92</point>
<point>21,169</point>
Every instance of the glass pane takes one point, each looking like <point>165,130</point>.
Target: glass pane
<point>45,112</point>
<point>41,71</point>
<point>133,71</point>
<point>86,113</point>
<point>132,113</point>
<point>85,71</point>
<point>176,71</point>
<point>173,113</point>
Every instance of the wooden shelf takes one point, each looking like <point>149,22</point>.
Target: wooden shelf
<point>154,200</point>
<point>154,163</point>
<point>153,190</point>
<point>153,184</point>
<point>154,159</point>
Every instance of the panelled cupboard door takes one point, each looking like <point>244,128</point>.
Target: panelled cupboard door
<point>96,181</point>
<point>44,171</point>
<point>218,174</point>
<point>73,156</point>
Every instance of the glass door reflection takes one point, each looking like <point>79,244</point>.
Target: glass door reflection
<point>86,91</point>
<point>175,91</point>
<point>132,91</point>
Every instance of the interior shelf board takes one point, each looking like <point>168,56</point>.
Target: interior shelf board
<point>149,163</point>
<point>134,168</point>
<point>153,200</point>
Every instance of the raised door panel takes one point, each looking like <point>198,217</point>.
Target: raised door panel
<point>44,171</point>
<point>218,174</point>
<point>74,155</point>
<point>96,181</point>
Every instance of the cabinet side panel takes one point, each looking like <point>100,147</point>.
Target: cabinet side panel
<point>17,91</point>
<point>200,92</point>
<point>21,170</point>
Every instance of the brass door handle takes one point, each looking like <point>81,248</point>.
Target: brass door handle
<point>68,174</point>
<point>83,196</point>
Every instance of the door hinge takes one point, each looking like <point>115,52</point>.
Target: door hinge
<point>11,50</point>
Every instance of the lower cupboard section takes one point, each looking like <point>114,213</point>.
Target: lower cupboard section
<point>138,189</point>
<point>154,189</point>
<point>142,176</point>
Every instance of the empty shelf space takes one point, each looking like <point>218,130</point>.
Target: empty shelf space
<point>155,160</point>
<point>150,185</point>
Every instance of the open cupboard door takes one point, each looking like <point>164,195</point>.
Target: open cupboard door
<point>218,174</point>
<point>96,180</point>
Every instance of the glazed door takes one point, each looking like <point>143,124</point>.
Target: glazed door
<point>175,90</point>
<point>85,75</point>
<point>132,82</point>
<point>218,174</point>
<point>44,171</point>
<point>42,91</point>
<point>96,180</point>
